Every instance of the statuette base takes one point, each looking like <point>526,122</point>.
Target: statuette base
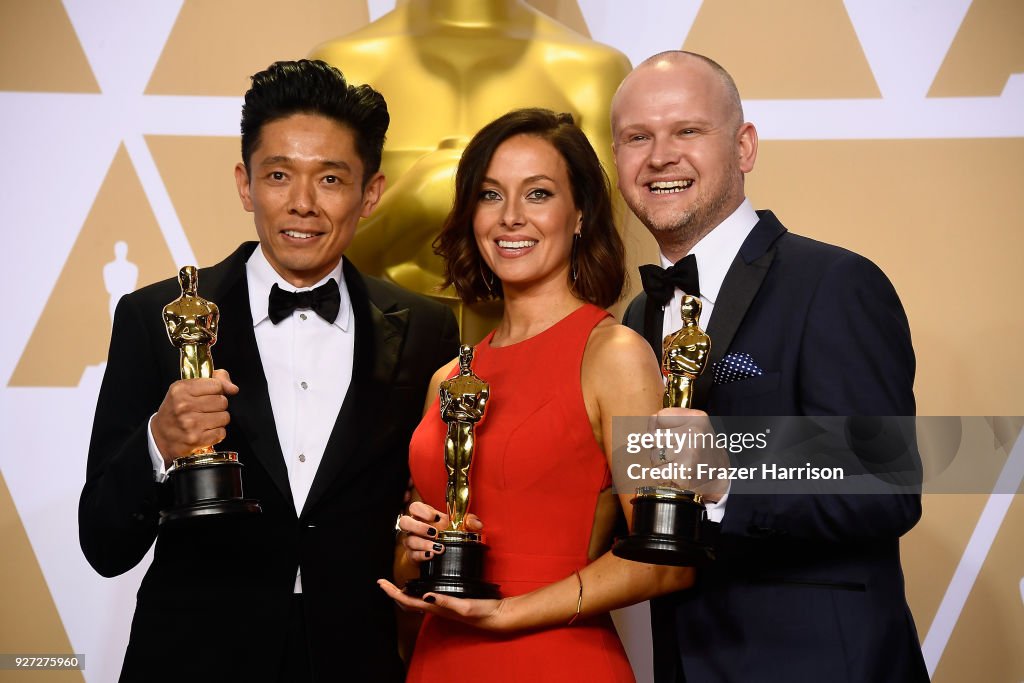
<point>670,527</point>
<point>457,570</point>
<point>207,484</point>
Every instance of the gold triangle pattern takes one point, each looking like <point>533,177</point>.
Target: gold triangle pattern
<point>228,40</point>
<point>987,49</point>
<point>119,249</point>
<point>198,173</point>
<point>31,624</point>
<point>39,50</point>
<point>800,49</point>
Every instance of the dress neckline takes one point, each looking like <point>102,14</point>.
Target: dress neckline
<point>486,341</point>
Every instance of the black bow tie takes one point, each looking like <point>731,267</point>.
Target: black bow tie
<point>661,283</point>
<point>325,301</point>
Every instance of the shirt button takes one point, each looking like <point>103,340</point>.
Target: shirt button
<point>303,385</point>
<point>302,457</point>
<point>302,315</point>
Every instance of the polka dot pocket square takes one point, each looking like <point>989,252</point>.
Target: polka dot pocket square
<point>734,367</point>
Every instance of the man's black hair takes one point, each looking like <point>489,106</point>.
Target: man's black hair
<point>315,87</point>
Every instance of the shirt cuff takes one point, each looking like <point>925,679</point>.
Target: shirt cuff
<point>716,511</point>
<point>159,468</point>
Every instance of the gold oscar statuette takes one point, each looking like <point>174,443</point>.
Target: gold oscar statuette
<point>458,570</point>
<point>206,481</point>
<point>684,355</point>
<point>670,524</point>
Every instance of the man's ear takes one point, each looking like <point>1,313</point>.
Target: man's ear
<point>371,194</point>
<point>746,139</point>
<point>242,181</point>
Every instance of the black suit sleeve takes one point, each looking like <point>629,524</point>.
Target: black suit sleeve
<point>855,359</point>
<point>449,340</point>
<point>633,316</point>
<point>118,512</point>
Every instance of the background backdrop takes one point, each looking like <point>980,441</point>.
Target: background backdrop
<point>894,128</point>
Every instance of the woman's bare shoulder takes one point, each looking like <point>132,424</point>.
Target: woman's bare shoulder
<point>617,359</point>
<point>615,344</point>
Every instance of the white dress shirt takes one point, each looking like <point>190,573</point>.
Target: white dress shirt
<point>308,364</point>
<point>715,254</point>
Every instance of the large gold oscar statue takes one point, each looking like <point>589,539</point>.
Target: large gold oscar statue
<point>447,68</point>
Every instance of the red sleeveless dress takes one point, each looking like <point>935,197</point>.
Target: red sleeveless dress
<point>536,474</point>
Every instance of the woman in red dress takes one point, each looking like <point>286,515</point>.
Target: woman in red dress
<point>532,224</point>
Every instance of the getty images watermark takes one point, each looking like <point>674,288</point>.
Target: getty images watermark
<point>819,455</point>
<point>669,443</point>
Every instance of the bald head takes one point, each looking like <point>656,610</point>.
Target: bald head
<point>679,67</point>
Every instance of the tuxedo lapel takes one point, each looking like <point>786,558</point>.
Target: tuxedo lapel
<point>739,288</point>
<point>380,332</point>
<point>251,414</point>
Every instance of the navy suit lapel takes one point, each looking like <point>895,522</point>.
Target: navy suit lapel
<point>251,413</point>
<point>380,333</point>
<point>739,288</point>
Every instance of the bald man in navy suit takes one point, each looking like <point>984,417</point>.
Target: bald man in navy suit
<point>806,588</point>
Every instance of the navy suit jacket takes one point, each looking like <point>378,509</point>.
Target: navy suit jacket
<point>806,587</point>
<point>214,603</point>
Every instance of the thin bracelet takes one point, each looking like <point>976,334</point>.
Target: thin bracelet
<point>579,600</point>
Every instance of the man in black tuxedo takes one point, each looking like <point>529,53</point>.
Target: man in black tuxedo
<point>807,587</point>
<point>324,392</point>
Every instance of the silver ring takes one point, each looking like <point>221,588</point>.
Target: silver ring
<point>398,523</point>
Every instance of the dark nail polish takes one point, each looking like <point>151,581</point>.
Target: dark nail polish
<point>431,531</point>
<point>438,547</point>
<point>429,598</point>
<point>437,518</point>
<point>428,554</point>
